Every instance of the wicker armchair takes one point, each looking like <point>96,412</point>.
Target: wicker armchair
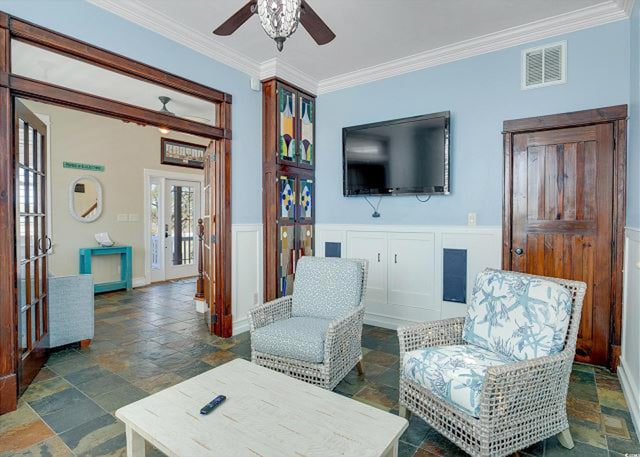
<point>284,326</point>
<point>520,403</point>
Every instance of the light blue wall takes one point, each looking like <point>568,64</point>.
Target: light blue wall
<point>481,92</point>
<point>99,27</point>
<point>633,159</point>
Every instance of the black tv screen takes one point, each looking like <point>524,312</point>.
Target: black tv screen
<point>404,156</point>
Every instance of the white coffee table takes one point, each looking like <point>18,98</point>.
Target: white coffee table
<point>266,414</point>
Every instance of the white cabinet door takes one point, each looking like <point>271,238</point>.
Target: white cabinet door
<point>411,274</point>
<point>371,246</point>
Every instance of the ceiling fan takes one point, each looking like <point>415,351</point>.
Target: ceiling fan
<point>279,19</point>
<point>165,100</point>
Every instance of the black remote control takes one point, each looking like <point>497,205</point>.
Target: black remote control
<point>213,404</point>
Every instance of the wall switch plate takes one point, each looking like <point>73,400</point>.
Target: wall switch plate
<point>123,217</point>
<point>134,217</point>
<point>471,219</point>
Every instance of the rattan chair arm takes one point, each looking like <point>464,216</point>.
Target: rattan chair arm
<point>511,391</point>
<point>427,334</point>
<point>344,336</point>
<point>270,312</point>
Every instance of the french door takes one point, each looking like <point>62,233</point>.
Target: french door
<point>32,242</point>
<point>182,211</point>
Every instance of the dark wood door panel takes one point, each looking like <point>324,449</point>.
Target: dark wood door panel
<point>562,203</point>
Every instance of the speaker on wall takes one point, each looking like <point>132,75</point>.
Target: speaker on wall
<point>454,275</point>
<point>332,249</point>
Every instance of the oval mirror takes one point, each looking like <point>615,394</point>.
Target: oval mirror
<point>85,199</point>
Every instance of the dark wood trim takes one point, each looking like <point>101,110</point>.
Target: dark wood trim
<point>507,202</point>
<point>69,98</point>
<point>223,326</point>
<point>564,120</point>
<point>8,393</point>
<point>8,298</point>
<point>63,44</point>
<point>291,86</point>
<point>12,86</point>
<point>619,222</point>
<point>617,116</point>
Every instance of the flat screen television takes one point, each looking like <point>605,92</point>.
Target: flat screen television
<point>404,156</point>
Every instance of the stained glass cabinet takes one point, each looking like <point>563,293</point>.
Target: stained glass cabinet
<point>289,156</point>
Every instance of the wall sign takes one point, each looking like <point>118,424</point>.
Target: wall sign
<point>82,166</point>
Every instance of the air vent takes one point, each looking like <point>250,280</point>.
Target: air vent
<point>544,65</point>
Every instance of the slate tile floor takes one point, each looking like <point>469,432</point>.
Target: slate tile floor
<point>151,338</point>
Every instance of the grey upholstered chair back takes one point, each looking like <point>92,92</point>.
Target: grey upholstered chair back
<point>328,288</point>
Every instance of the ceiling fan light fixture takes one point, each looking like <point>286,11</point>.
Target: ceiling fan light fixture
<point>279,18</point>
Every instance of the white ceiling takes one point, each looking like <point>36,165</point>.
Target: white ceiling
<point>370,33</point>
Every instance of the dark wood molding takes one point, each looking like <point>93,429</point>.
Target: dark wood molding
<point>8,298</point>
<point>619,222</point>
<point>288,84</point>
<point>223,326</point>
<point>69,98</point>
<point>12,86</point>
<point>564,120</point>
<point>8,393</point>
<point>63,44</point>
<point>617,116</point>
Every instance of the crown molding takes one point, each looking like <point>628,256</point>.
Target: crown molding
<point>592,16</point>
<point>626,6</point>
<point>140,14</point>
<point>276,68</point>
<point>166,26</point>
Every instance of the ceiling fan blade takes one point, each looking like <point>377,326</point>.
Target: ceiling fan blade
<point>316,27</point>
<point>234,22</point>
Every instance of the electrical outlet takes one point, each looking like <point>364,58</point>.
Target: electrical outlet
<point>123,218</point>
<point>134,217</point>
<point>255,298</point>
<point>471,219</point>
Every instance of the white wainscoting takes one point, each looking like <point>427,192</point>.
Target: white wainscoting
<point>246,276</point>
<point>629,367</point>
<point>483,245</point>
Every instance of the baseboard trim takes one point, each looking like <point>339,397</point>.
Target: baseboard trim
<point>139,282</point>
<point>380,320</point>
<point>630,393</point>
<point>241,326</point>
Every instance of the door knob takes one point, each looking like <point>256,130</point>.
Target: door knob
<point>518,251</point>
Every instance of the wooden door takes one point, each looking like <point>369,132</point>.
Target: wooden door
<point>32,243</point>
<point>562,219</point>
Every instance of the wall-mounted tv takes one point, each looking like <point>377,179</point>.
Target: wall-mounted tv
<point>404,156</point>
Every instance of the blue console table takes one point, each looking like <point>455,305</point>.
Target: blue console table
<point>125,269</point>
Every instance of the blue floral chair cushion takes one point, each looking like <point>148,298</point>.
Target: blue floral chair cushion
<point>453,373</point>
<point>328,288</point>
<point>517,316</point>
<point>299,338</point>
